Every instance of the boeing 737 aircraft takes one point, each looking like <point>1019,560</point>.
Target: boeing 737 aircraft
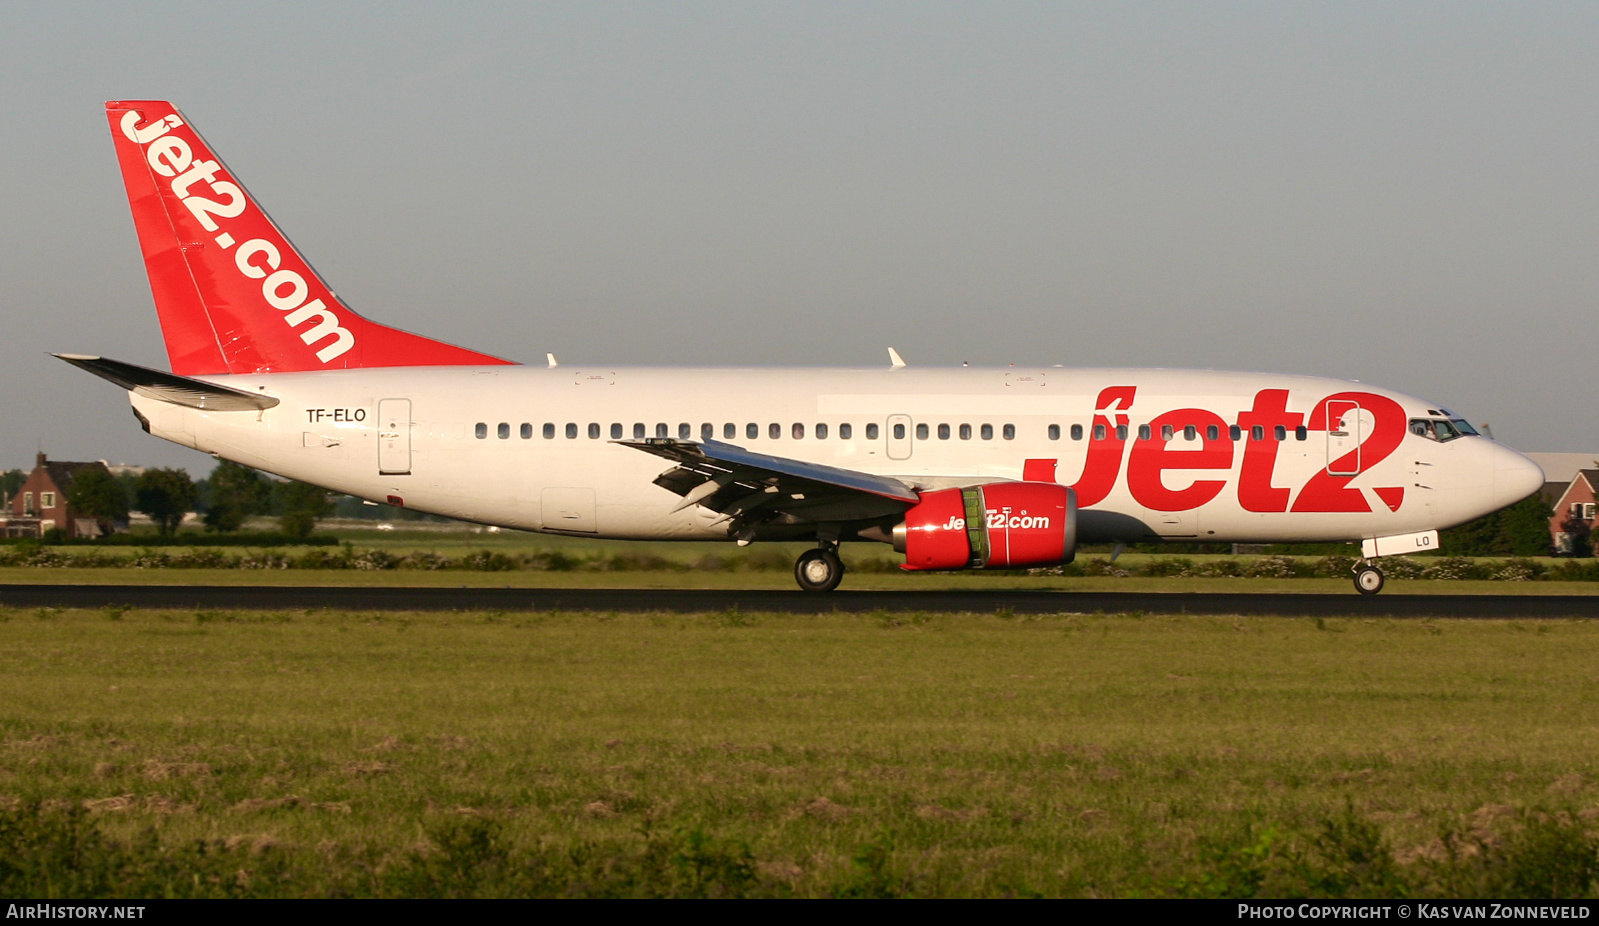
<point>960,468</point>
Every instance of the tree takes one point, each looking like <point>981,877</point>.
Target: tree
<point>97,494</point>
<point>10,482</point>
<point>300,506</point>
<point>1521,529</point>
<point>1524,527</point>
<point>237,492</point>
<point>165,495</point>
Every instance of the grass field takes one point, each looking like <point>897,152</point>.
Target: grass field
<point>318,753</point>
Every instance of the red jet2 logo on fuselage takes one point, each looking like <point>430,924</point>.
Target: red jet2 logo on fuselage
<point>258,259</point>
<point>1327,490</point>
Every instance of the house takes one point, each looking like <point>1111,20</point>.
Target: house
<point>1575,511</point>
<point>1559,469</point>
<point>40,505</point>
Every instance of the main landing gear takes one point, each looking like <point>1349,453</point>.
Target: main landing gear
<point>1368,578</point>
<point>819,570</point>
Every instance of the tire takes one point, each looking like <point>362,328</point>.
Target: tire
<point>1368,580</point>
<point>819,570</point>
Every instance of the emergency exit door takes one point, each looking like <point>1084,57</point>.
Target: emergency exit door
<point>394,437</point>
<point>899,437</point>
<point>1346,426</point>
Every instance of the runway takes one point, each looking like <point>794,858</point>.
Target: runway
<point>793,602</point>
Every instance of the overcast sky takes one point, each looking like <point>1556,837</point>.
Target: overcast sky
<point>1401,193</point>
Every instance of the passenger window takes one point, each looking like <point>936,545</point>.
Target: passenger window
<point>1280,432</point>
<point>1143,432</point>
<point>845,431</point>
<point>752,430</point>
<point>821,432</point>
<point>872,430</point>
<point>1121,432</point>
<point>966,432</point>
<point>1258,432</point>
<point>1190,432</point>
<point>616,430</point>
<point>1054,432</point>
<point>1301,432</point>
<point>1167,432</point>
<point>504,430</point>
<point>594,430</point>
<point>774,431</point>
<point>684,430</point>
<point>1008,432</point>
<point>527,431</point>
<point>986,432</point>
<point>1099,432</point>
<point>571,430</point>
<point>1212,432</point>
<point>707,431</point>
<point>921,432</point>
<point>638,430</point>
<point>661,430</point>
<point>729,431</point>
<point>798,431</point>
<point>899,432</point>
<point>1234,432</point>
<point>943,432</point>
<point>549,430</point>
<point>482,430</point>
<point>1077,432</point>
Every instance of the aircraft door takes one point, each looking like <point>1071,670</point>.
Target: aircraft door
<point>394,437</point>
<point>899,437</point>
<point>1346,427</point>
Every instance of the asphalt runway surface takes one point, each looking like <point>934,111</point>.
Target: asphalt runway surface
<point>793,602</point>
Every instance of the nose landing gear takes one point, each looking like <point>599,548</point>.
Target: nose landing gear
<point>819,570</point>
<point>1368,578</point>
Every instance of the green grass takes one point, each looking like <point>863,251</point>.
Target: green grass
<point>398,754</point>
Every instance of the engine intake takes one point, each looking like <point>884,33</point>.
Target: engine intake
<point>999,525</point>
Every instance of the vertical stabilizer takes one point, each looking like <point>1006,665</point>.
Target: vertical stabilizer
<point>232,292</point>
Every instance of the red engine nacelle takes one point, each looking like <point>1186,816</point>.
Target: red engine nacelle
<point>993,526</point>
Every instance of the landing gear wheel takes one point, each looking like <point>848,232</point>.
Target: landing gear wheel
<point>1368,579</point>
<point>819,570</point>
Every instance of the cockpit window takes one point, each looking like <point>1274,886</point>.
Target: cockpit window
<point>1441,430</point>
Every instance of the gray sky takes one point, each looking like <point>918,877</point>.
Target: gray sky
<point>1405,194</point>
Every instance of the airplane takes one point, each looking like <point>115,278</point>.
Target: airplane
<point>956,468</point>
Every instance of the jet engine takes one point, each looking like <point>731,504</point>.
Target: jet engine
<point>1000,525</point>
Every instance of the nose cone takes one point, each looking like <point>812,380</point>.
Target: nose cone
<point>1515,477</point>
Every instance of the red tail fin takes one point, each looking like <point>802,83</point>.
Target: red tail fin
<point>233,294</point>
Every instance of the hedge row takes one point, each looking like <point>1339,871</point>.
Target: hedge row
<point>1338,567</point>
<point>262,539</point>
<point>347,557</point>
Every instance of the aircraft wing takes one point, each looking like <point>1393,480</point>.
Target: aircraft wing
<point>746,486</point>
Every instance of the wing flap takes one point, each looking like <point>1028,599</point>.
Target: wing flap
<point>736,482</point>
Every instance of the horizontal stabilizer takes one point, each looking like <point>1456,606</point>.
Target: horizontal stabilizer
<point>167,387</point>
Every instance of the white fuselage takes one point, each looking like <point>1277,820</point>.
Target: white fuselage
<point>470,443</point>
